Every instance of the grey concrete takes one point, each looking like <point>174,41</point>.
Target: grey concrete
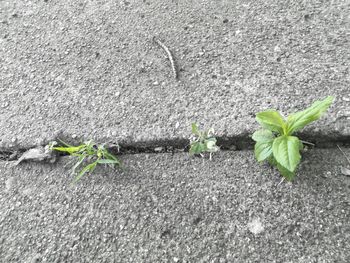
<point>88,69</point>
<point>172,208</point>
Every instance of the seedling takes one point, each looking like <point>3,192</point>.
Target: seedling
<point>275,142</point>
<point>89,153</point>
<point>202,141</point>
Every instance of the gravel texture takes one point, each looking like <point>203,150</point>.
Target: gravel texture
<point>172,208</point>
<point>89,69</point>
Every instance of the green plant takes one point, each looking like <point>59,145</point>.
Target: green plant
<point>275,142</point>
<point>89,153</point>
<point>202,141</point>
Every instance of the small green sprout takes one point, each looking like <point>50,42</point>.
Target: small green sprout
<point>89,153</point>
<point>202,141</point>
<point>275,142</point>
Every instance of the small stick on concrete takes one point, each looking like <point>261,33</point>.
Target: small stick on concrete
<point>347,158</point>
<point>309,143</point>
<point>170,56</point>
<point>280,182</point>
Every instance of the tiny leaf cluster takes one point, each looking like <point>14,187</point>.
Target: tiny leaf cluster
<point>202,141</point>
<point>276,143</point>
<point>89,153</point>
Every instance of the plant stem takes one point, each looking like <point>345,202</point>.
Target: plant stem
<point>309,143</point>
<point>344,154</point>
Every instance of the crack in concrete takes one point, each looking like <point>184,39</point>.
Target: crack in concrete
<point>237,143</point>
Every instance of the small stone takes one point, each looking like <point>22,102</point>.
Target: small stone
<point>177,124</point>
<point>255,226</point>
<point>176,259</point>
<point>158,149</point>
<point>155,83</point>
<point>9,184</point>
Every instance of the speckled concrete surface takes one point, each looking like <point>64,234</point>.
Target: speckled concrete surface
<point>88,69</point>
<point>172,208</point>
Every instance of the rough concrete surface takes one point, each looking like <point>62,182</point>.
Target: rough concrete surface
<point>172,208</point>
<point>88,69</point>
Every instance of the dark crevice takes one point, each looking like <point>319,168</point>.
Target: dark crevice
<point>243,142</point>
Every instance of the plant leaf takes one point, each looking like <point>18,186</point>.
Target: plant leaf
<point>107,161</point>
<point>271,120</point>
<point>65,144</point>
<point>285,172</point>
<point>197,148</point>
<point>109,155</point>
<point>195,129</point>
<point>211,145</point>
<point>263,150</point>
<point>263,135</point>
<point>89,168</point>
<point>272,161</point>
<point>80,161</point>
<point>299,120</point>
<point>69,150</point>
<point>286,151</point>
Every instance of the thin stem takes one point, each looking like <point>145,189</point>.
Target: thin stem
<point>281,181</point>
<point>309,143</point>
<point>344,154</point>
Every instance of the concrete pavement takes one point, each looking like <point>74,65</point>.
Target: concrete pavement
<point>172,208</point>
<point>89,70</point>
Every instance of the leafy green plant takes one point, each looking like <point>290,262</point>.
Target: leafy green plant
<point>202,141</point>
<point>275,142</point>
<point>87,153</point>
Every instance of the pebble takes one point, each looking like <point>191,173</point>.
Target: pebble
<point>9,183</point>
<point>158,149</point>
<point>255,226</point>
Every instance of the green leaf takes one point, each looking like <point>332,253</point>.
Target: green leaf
<point>299,120</point>
<point>263,135</point>
<point>195,129</point>
<point>263,150</point>
<point>301,146</point>
<point>80,161</point>
<point>271,120</point>
<point>197,148</point>
<point>286,151</point>
<point>107,161</point>
<point>65,144</point>
<point>69,150</point>
<point>211,145</point>
<point>284,172</point>
<point>272,161</point>
<point>89,168</point>
<point>110,156</point>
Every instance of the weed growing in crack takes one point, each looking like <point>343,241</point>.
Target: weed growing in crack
<point>87,153</point>
<point>275,142</point>
<point>202,141</point>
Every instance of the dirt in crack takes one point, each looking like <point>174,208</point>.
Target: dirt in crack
<point>182,145</point>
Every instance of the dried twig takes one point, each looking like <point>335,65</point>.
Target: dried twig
<point>347,158</point>
<point>170,56</point>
